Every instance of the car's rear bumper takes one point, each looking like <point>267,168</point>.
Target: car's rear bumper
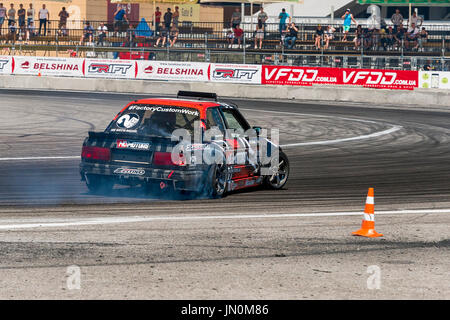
<point>188,179</point>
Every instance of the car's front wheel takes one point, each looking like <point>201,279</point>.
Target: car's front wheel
<point>279,172</point>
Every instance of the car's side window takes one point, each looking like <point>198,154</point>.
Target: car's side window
<point>213,119</point>
<point>234,120</point>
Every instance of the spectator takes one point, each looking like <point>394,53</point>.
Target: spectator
<point>359,36</point>
<point>230,37</point>
<point>291,36</point>
<point>283,16</point>
<point>348,19</point>
<point>11,15</point>
<point>423,37</point>
<point>44,16</point>
<point>168,18</point>
<point>13,29</point>
<point>31,31</point>
<point>329,35</point>
<point>411,36</point>
<point>21,14</point>
<point>238,35</point>
<point>120,17</point>
<point>400,36</point>
<point>318,37</point>
<point>397,19</point>
<point>415,19</point>
<point>259,34</point>
<point>173,36</point>
<point>367,36</point>
<point>388,39</point>
<point>30,14</point>
<point>102,32</point>
<point>157,19</point>
<point>88,33</point>
<point>262,16</point>
<point>63,15</point>
<point>162,36</point>
<point>176,17</point>
<point>235,18</point>
<point>2,16</point>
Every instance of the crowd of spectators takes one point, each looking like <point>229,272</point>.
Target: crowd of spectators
<point>21,22</point>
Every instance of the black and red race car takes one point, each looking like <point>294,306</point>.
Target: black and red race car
<point>196,144</point>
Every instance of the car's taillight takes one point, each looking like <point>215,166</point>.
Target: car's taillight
<point>96,153</point>
<point>165,159</point>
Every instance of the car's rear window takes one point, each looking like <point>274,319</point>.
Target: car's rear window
<point>154,120</point>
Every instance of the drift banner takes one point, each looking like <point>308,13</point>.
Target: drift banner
<point>307,76</point>
<point>174,71</point>
<point>6,65</point>
<point>235,73</point>
<point>118,69</point>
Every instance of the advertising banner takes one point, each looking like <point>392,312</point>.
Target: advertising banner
<point>47,66</point>
<point>235,73</point>
<point>6,65</point>
<point>434,79</point>
<point>119,69</point>
<point>174,71</point>
<point>307,76</point>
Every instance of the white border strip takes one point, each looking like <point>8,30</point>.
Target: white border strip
<point>139,219</point>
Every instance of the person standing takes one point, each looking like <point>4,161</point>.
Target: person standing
<point>11,15</point>
<point>415,20</point>
<point>44,17</point>
<point>63,15</point>
<point>30,14</point>
<point>283,16</point>
<point>259,34</point>
<point>396,19</point>
<point>119,17</point>
<point>157,20</point>
<point>2,16</point>
<point>176,17</point>
<point>21,15</point>
<point>262,16</point>
<point>168,19</point>
<point>348,19</point>
<point>235,18</point>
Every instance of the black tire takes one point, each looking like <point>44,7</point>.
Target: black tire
<point>216,183</point>
<point>278,180</point>
<point>99,184</point>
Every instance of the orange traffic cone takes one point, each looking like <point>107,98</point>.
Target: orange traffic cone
<point>368,224</point>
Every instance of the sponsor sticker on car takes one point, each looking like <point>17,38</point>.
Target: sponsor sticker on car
<point>125,144</point>
<point>128,171</point>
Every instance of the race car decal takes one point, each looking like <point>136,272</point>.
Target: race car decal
<point>125,144</point>
<point>128,121</point>
<point>135,172</point>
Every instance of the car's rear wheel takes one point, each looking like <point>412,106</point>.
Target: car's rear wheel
<point>280,173</point>
<point>99,184</point>
<point>217,181</point>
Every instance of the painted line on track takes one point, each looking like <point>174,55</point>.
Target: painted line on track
<point>47,223</point>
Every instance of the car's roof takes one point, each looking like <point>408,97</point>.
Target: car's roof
<point>195,104</point>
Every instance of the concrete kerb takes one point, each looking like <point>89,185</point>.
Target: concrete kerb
<point>425,97</point>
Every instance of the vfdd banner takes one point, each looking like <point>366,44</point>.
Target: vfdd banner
<point>307,76</point>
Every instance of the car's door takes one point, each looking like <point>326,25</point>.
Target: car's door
<point>237,143</point>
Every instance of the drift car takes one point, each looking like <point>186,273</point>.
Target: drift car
<point>146,144</point>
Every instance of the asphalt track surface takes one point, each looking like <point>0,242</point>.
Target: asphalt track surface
<point>289,244</point>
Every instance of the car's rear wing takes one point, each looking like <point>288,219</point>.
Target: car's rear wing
<point>199,95</point>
